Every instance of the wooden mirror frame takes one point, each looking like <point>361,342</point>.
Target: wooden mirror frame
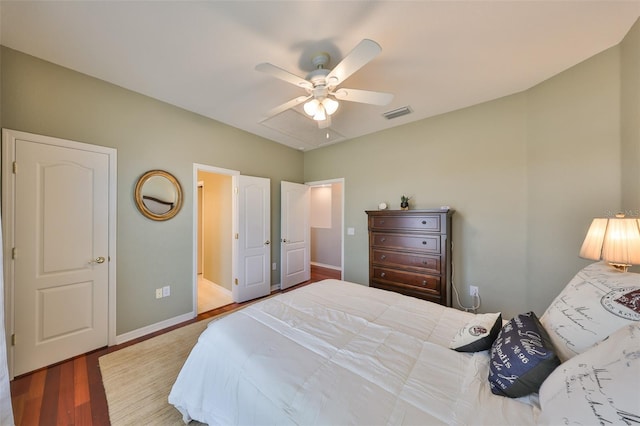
<point>140,198</point>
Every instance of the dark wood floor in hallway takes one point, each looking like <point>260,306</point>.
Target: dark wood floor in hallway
<point>71,392</point>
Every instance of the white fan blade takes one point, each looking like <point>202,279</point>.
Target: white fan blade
<point>283,75</point>
<point>364,52</point>
<point>285,106</point>
<point>363,96</point>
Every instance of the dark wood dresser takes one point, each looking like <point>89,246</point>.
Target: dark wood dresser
<point>410,252</point>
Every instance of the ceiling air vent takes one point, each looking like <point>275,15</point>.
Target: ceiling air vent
<point>398,112</point>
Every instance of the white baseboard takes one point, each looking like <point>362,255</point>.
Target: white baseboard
<point>141,332</point>
<point>322,265</point>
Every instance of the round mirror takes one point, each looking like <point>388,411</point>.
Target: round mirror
<point>158,195</point>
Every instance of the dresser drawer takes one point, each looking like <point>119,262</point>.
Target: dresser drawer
<point>427,283</point>
<point>408,221</point>
<point>430,264</point>
<point>425,243</point>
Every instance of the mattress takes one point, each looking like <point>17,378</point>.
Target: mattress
<point>335,352</point>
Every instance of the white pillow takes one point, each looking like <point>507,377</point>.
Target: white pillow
<point>478,333</point>
<point>599,386</point>
<point>590,308</point>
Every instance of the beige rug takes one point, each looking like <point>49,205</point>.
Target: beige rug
<point>137,379</point>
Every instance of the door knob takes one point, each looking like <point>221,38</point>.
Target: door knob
<point>98,260</point>
<point>267,242</point>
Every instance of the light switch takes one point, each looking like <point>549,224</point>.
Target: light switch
<point>351,231</point>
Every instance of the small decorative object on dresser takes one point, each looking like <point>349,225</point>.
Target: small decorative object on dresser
<point>410,252</point>
<point>404,202</point>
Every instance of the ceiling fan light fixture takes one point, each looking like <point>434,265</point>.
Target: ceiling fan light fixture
<point>330,105</point>
<point>311,107</point>
<point>320,115</point>
<point>320,109</point>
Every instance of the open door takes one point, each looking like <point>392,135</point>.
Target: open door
<point>296,234</point>
<point>252,275</point>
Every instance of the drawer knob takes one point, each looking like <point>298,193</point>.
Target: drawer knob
<point>382,240</point>
<point>424,243</point>
<point>383,257</point>
<point>382,222</point>
<point>382,274</point>
<point>424,282</point>
<point>424,262</point>
<point>424,222</point>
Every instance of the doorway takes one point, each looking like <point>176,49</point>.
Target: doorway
<point>214,262</point>
<point>327,224</point>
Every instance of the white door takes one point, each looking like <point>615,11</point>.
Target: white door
<point>61,239</point>
<point>295,234</point>
<point>252,272</point>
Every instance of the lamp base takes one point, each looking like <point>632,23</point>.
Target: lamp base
<point>622,267</point>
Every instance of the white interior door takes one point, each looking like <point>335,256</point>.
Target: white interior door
<point>295,246</point>
<point>252,272</point>
<point>61,237</point>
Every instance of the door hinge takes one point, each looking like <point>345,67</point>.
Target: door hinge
<point>235,189</point>
<point>15,167</point>
<point>13,340</point>
<point>13,253</point>
<point>236,235</point>
<point>235,281</point>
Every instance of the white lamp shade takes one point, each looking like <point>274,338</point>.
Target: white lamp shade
<point>330,105</point>
<point>622,242</point>
<point>311,107</point>
<point>592,245</point>
<point>615,240</point>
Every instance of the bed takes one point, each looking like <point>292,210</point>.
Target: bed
<point>335,352</point>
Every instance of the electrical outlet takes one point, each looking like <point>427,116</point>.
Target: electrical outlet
<point>158,293</point>
<point>166,291</point>
<point>473,291</point>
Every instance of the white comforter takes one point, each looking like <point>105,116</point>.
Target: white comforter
<point>334,353</point>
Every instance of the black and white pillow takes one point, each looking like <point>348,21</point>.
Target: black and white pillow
<point>478,334</point>
<point>522,356</point>
<point>599,386</point>
<point>596,302</point>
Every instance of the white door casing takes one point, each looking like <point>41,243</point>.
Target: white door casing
<point>62,209</point>
<point>295,249</point>
<point>252,273</point>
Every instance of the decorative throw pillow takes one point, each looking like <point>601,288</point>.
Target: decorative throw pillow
<point>597,301</point>
<point>478,334</point>
<point>599,386</point>
<point>522,357</point>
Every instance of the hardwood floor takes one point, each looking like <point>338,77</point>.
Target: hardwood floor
<point>71,392</point>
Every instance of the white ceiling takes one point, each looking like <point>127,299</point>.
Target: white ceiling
<point>437,56</point>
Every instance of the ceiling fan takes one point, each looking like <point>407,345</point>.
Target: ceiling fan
<point>321,84</point>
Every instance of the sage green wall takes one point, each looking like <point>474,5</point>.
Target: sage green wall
<point>472,160</point>
<point>525,173</point>
<point>573,168</point>
<point>43,98</point>
<point>630,120</point>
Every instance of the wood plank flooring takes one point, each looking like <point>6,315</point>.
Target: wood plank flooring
<point>71,392</point>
